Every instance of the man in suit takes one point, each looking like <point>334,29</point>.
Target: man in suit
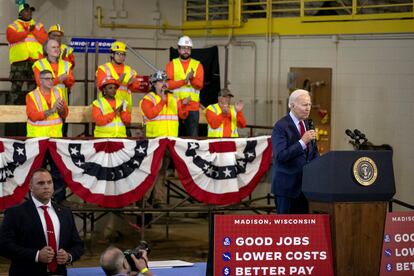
<point>293,146</point>
<point>39,236</point>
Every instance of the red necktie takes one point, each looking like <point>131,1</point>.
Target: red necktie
<point>51,239</point>
<point>302,131</point>
<point>302,128</point>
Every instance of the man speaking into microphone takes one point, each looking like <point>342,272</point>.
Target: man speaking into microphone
<point>294,145</point>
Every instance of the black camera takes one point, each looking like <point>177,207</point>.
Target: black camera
<point>137,252</point>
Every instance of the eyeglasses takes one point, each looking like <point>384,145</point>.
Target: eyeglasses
<point>120,54</point>
<point>48,79</point>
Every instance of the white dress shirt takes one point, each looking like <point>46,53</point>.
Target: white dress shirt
<point>296,121</point>
<point>53,217</point>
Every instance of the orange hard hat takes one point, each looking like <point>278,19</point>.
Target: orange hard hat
<point>107,81</point>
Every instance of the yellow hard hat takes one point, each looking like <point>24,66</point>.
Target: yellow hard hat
<point>118,46</point>
<point>56,28</point>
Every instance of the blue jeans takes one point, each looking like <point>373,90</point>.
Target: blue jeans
<point>191,124</point>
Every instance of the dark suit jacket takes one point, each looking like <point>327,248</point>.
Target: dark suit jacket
<point>289,158</point>
<point>21,236</point>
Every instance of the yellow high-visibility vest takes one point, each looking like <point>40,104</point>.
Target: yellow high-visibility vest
<point>116,128</point>
<point>179,74</point>
<point>28,48</point>
<point>52,125</point>
<point>166,122</point>
<point>218,132</point>
<point>62,49</point>
<point>63,68</point>
<point>123,90</point>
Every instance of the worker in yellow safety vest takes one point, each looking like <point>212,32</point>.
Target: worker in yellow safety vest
<point>161,108</point>
<point>61,69</point>
<point>118,70</point>
<point>46,108</point>
<point>109,112</point>
<point>25,37</point>
<point>223,118</point>
<point>186,79</point>
<point>66,53</point>
<point>161,111</point>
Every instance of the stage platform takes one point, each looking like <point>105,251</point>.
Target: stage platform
<point>197,269</point>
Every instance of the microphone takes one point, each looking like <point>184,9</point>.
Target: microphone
<point>311,127</point>
<point>350,133</point>
<point>310,124</point>
<point>166,91</point>
<point>360,135</point>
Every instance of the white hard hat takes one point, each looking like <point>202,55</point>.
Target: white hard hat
<point>185,41</point>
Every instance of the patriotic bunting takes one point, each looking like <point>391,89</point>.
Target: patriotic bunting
<point>116,172</point>
<point>222,171</point>
<point>17,160</point>
<point>108,172</point>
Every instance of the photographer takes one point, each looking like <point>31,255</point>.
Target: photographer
<point>114,262</point>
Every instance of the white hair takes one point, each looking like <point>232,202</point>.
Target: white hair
<point>295,95</point>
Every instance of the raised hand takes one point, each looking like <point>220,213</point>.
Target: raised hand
<point>239,106</point>
<point>62,77</point>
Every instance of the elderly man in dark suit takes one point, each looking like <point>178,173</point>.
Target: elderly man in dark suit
<point>39,236</point>
<point>293,146</point>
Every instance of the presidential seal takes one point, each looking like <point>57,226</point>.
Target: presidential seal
<point>365,171</point>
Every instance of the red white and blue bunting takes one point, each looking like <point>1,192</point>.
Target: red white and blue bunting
<point>116,172</point>
<point>108,172</point>
<point>17,160</point>
<point>222,171</point>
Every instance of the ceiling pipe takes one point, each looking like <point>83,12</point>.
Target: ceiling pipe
<point>101,24</point>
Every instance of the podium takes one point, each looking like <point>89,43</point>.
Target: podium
<point>353,187</point>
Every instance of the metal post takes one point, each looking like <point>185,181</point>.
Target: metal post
<point>141,57</point>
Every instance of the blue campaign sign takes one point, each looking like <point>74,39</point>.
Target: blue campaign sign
<point>79,44</point>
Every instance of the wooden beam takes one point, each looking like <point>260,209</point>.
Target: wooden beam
<point>77,114</point>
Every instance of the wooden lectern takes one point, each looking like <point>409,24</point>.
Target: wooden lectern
<point>353,187</point>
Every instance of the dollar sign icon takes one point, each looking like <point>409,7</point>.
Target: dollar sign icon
<point>226,271</point>
<point>389,267</point>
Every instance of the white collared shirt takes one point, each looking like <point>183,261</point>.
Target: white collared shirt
<point>53,217</point>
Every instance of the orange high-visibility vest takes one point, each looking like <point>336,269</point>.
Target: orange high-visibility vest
<point>52,125</point>
<point>166,122</point>
<point>28,48</point>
